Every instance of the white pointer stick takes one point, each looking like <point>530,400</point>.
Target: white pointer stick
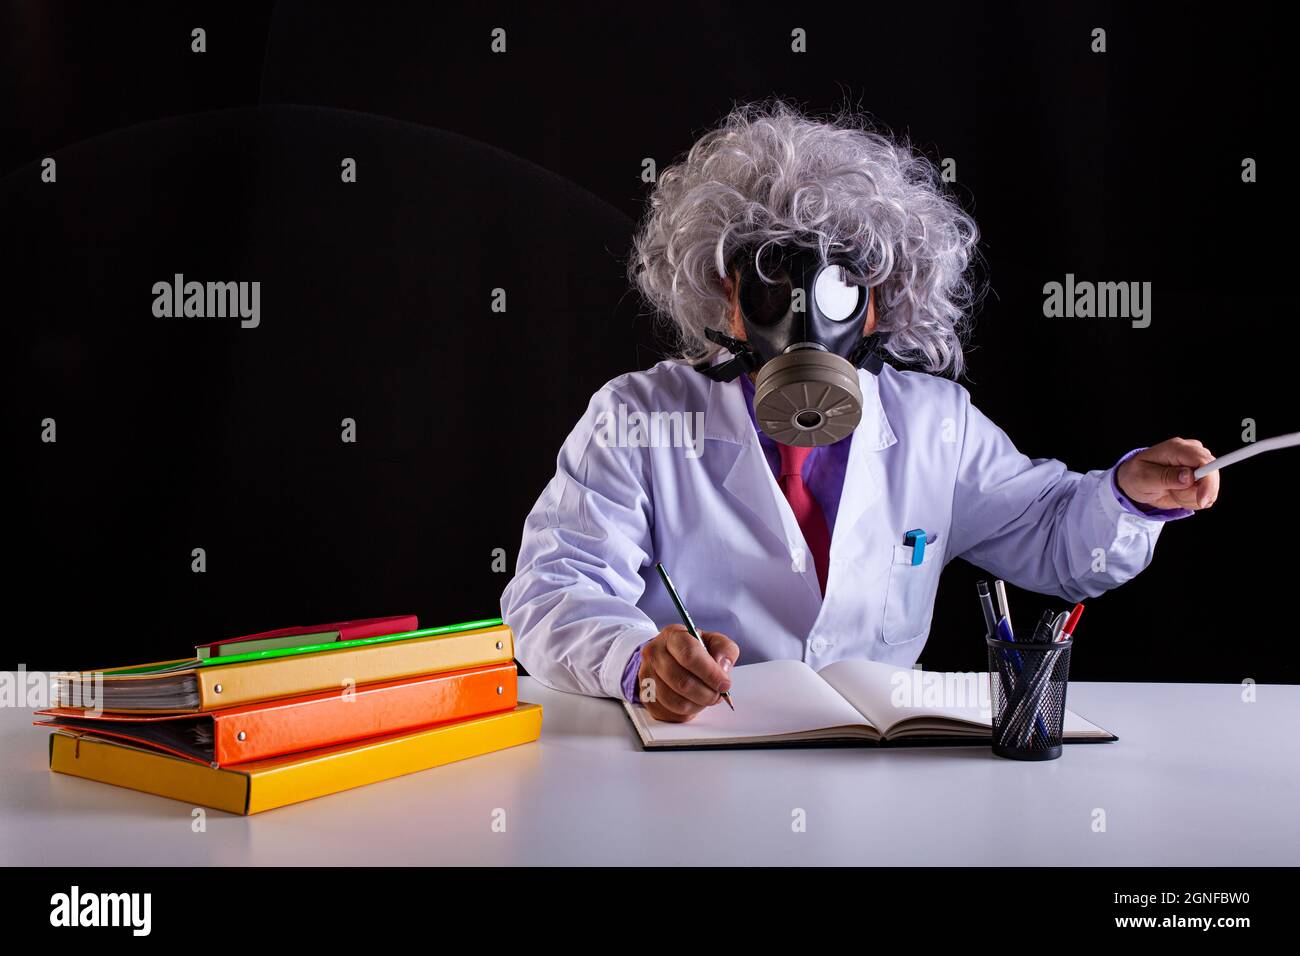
<point>1241,454</point>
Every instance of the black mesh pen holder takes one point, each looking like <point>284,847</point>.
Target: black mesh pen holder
<point>1027,693</point>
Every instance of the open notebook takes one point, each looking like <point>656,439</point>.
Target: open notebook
<point>857,701</point>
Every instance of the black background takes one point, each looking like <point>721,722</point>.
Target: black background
<point>521,171</point>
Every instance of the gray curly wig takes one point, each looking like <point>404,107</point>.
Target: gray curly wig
<point>769,174</point>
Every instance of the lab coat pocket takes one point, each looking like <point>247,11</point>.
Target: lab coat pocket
<point>909,597</point>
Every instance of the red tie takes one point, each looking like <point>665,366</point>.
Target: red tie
<point>806,510</point>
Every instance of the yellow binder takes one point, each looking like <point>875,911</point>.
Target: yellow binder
<point>267,784</point>
<point>328,670</point>
<point>204,687</point>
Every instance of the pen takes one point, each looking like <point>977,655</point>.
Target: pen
<point>686,619</point>
<point>1072,623</point>
<point>991,626</point>
<point>1043,632</point>
<point>986,605</point>
<point>1031,701</point>
<point>1003,633</point>
<point>1004,607</point>
<point>1016,693</point>
<point>1063,629</point>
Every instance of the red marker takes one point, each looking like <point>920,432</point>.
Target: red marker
<point>1071,622</point>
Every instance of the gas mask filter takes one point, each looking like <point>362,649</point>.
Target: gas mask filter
<point>803,325</point>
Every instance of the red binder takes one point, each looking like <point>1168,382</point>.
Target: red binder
<point>337,631</point>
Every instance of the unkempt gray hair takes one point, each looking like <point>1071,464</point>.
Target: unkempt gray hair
<point>769,173</point>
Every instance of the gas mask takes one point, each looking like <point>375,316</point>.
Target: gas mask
<point>803,325</point>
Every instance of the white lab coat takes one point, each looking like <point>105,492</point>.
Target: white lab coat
<point>585,594</point>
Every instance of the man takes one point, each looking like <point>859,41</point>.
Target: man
<point>804,495</point>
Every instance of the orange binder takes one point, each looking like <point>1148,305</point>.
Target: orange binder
<point>258,731</point>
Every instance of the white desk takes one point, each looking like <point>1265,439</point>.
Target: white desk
<point>1197,778</point>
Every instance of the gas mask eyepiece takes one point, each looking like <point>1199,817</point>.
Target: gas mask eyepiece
<point>803,334</point>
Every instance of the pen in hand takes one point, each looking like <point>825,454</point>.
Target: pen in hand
<point>686,618</point>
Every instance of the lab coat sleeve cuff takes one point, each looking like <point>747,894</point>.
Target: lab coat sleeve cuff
<point>1134,508</point>
<point>630,673</point>
<point>621,649</point>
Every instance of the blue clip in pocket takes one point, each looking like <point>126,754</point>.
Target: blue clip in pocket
<point>916,539</point>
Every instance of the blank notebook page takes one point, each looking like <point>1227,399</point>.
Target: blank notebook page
<point>871,685</point>
<point>775,697</point>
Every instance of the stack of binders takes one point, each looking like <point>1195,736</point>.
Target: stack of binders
<point>269,719</point>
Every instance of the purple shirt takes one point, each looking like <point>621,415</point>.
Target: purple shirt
<point>824,472</point>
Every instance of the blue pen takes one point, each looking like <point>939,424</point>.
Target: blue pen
<point>917,539</point>
<point>1004,633</point>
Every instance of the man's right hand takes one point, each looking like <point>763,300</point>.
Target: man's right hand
<point>679,677</point>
